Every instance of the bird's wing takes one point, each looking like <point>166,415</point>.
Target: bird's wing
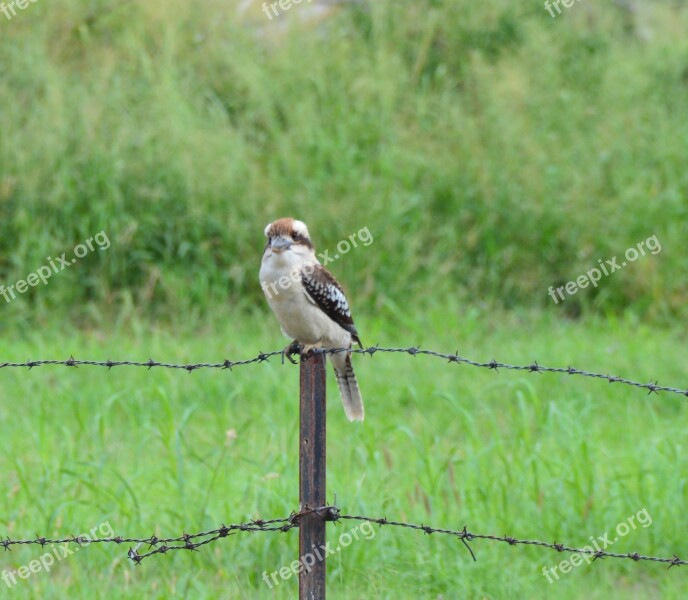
<point>323,290</point>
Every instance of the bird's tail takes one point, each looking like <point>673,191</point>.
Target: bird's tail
<point>348,386</point>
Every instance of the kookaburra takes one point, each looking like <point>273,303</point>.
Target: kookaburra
<point>309,303</point>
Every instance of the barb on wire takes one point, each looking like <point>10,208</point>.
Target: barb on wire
<point>194,541</point>
<point>534,367</point>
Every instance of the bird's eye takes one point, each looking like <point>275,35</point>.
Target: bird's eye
<point>296,237</point>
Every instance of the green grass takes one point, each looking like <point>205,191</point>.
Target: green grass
<point>490,149</point>
<point>534,456</point>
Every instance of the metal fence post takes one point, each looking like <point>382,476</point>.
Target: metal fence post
<point>312,464</point>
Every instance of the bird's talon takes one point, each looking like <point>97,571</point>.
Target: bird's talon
<point>290,350</point>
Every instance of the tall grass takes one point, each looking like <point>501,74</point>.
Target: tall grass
<point>545,456</point>
<point>491,150</point>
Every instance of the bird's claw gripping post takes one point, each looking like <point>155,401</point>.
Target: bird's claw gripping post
<point>291,350</point>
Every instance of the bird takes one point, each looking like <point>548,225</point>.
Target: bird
<point>309,304</point>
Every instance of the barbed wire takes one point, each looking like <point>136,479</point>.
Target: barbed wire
<point>466,536</point>
<point>193,541</point>
<point>150,363</point>
<point>534,367</point>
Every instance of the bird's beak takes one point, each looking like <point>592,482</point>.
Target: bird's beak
<point>280,243</point>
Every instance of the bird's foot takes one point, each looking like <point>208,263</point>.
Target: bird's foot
<point>307,350</point>
<point>291,350</point>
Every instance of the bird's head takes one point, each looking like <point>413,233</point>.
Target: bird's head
<point>288,235</point>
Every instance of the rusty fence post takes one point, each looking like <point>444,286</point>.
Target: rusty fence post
<point>312,464</point>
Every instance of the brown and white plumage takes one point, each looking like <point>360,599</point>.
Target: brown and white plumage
<point>326,292</point>
<point>309,303</point>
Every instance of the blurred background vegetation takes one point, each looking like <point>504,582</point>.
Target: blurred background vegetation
<point>491,150</point>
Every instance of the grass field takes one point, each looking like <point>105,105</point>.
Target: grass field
<point>490,149</point>
<point>534,456</point>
